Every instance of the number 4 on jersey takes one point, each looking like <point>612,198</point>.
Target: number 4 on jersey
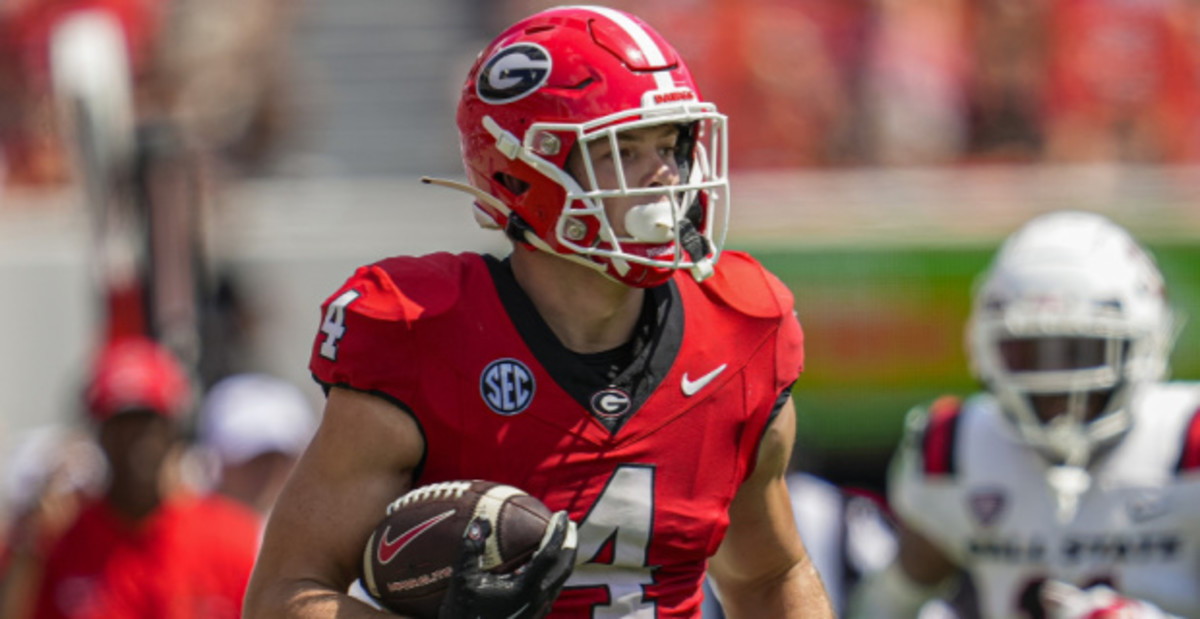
<point>614,539</point>
<point>334,325</point>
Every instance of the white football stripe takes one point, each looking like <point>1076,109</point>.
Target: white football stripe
<point>650,50</point>
<point>489,507</point>
<point>369,566</point>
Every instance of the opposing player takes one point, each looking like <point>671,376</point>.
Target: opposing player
<point>1070,486</point>
<point>608,366</point>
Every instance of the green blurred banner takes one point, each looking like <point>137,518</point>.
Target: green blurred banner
<point>883,332</point>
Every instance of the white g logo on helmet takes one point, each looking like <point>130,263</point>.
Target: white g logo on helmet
<point>513,73</point>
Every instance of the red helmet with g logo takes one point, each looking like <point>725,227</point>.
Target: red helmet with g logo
<point>566,77</point>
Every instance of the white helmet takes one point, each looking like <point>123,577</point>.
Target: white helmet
<point>1068,322</point>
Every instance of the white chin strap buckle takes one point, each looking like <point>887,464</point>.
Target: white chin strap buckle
<point>1069,483</point>
<point>703,270</point>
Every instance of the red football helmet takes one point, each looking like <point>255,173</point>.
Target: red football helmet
<point>559,80</point>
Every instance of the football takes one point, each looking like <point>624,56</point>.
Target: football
<point>410,556</point>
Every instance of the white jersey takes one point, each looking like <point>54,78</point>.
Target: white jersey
<point>967,482</point>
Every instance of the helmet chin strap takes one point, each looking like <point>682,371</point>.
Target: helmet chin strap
<point>696,247</point>
<point>1068,483</point>
<point>620,265</point>
<point>527,235</point>
<point>1070,479</point>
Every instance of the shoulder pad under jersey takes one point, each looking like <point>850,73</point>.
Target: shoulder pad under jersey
<point>370,318</point>
<point>406,288</point>
<point>1189,454</point>
<point>922,487</point>
<point>933,432</point>
<point>743,284</point>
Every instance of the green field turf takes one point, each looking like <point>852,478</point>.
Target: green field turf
<point>883,331</point>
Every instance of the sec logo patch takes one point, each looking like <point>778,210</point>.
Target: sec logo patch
<point>507,386</point>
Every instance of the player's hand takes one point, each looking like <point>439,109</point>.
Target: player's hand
<point>1065,601</point>
<point>525,593</point>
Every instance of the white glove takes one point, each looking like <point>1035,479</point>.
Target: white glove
<point>1065,601</point>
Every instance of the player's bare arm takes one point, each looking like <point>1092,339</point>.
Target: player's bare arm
<point>361,458</point>
<point>920,570</point>
<point>762,568</point>
<point>922,561</point>
<point>919,573</point>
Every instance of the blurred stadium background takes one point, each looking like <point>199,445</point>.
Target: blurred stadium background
<point>882,148</point>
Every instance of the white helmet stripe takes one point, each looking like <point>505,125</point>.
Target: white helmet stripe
<point>653,53</point>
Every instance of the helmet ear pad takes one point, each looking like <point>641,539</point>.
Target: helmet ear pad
<point>524,189</point>
<point>515,186</point>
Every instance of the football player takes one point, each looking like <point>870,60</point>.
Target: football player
<point>608,365</point>
<point>1069,487</point>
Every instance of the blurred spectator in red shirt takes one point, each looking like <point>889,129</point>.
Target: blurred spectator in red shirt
<point>30,145</point>
<point>1121,81</point>
<point>147,548</point>
<point>51,473</point>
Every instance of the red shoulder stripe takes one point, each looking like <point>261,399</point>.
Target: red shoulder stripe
<point>1189,457</point>
<point>939,439</point>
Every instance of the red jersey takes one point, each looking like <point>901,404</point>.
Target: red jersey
<point>645,460</point>
<point>191,559</point>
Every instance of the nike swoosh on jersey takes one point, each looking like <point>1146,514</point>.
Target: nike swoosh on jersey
<point>691,387</point>
<point>388,548</point>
